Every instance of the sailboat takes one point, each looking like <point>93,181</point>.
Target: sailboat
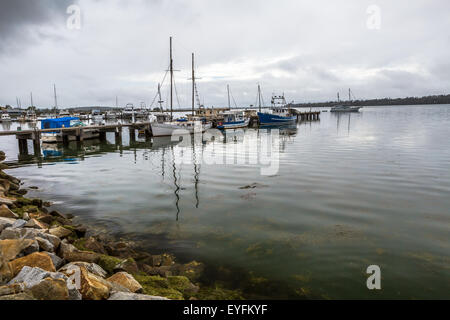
<point>344,108</point>
<point>233,119</point>
<point>281,113</point>
<point>167,128</point>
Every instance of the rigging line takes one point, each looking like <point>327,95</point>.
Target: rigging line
<point>234,101</point>
<point>157,93</point>
<point>176,93</point>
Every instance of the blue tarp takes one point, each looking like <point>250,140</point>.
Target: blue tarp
<point>57,122</point>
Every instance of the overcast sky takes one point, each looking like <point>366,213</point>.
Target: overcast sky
<point>309,50</point>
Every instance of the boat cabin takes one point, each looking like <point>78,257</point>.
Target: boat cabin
<point>57,123</point>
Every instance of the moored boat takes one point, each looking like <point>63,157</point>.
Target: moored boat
<point>281,113</point>
<point>66,122</point>
<point>233,120</point>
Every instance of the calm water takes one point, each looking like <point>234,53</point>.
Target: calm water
<point>352,190</point>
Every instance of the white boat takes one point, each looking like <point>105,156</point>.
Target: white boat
<point>233,120</point>
<point>5,117</point>
<point>97,116</point>
<point>64,113</point>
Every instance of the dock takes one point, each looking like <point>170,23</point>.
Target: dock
<point>78,132</point>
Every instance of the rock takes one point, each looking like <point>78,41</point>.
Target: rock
<point>133,296</point>
<point>91,244</point>
<point>128,265</point>
<point>126,280</point>
<point>45,245</point>
<point>108,263</point>
<point>120,249</point>
<point>36,259</point>
<point>37,202</point>
<point>90,267</point>
<point>27,233</point>
<point>46,203</point>
<point>33,223</point>
<point>19,296</point>
<point>157,271</point>
<point>5,271</point>
<point>7,201</point>
<point>5,185</point>
<point>182,284</point>
<point>32,276</point>
<point>25,216</point>
<point>55,213</point>
<point>12,249</point>
<point>11,289</point>
<point>79,255</point>
<point>19,223</point>
<point>6,213</point>
<point>57,261</point>
<point>6,223</point>
<point>60,232</point>
<point>93,287</point>
<point>192,270</point>
<point>47,219</point>
<point>50,289</point>
<point>2,156</point>
<point>253,186</point>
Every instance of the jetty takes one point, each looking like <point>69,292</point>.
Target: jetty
<point>23,136</point>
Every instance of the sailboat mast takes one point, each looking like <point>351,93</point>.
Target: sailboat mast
<point>31,96</point>
<point>339,100</point>
<point>171,81</point>
<point>349,95</point>
<point>259,97</point>
<point>228,89</point>
<point>159,96</point>
<point>56,100</point>
<point>193,84</point>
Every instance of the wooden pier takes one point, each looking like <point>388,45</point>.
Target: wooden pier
<point>78,132</point>
<point>308,116</point>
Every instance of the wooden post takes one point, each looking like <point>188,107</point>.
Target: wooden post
<point>102,136</point>
<point>132,132</point>
<point>118,134</point>
<point>37,142</point>
<point>23,146</point>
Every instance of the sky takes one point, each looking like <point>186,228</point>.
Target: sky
<point>308,50</point>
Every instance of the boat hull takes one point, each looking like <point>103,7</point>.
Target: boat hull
<point>272,119</point>
<point>350,109</point>
<point>167,129</point>
<point>234,124</point>
<point>58,137</point>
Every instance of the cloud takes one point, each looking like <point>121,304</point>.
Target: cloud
<point>309,50</point>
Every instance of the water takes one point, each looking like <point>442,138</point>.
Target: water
<point>353,190</point>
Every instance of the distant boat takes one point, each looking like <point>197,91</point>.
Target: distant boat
<point>281,113</point>
<point>5,117</point>
<point>344,108</point>
<point>233,120</point>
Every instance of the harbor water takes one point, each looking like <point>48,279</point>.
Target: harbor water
<point>350,191</point>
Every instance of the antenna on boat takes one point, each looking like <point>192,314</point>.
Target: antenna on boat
<point>228,89</point>
<point>259,97</point>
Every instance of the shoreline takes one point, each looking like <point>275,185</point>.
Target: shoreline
<point>45,255</point>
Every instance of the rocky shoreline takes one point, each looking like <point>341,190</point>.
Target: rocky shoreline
<point>45,255</point>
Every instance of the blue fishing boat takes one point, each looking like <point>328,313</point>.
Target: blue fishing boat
<point>65,122</point>
<point>233,120</point>
<point>281,113</point>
